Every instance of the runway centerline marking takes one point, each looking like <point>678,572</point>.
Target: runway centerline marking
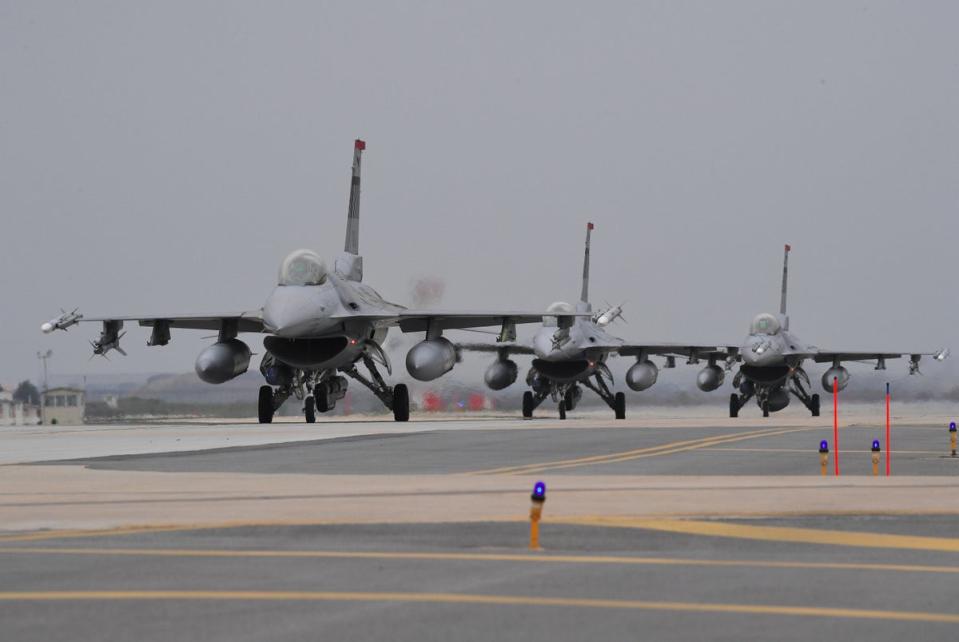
<point>650,451</point>
<point>481,599</point>
<point>776,533</point>
<point>546,558</point>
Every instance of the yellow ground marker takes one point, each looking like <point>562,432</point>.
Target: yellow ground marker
<point>776,533</point>
<point>540,558</point>
<point>661,449</point>
<point>492,600</point>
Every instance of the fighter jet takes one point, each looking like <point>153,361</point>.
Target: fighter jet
<point>570,352</point>
<point>320,324</point>
<point>773,357</point>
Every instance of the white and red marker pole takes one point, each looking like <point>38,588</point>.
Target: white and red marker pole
<point>835,422</point>
<point>888,436</point>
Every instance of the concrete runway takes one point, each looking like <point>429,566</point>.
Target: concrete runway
<point>663,528</point>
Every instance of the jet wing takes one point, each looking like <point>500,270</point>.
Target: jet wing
<point>679,350</point>
<point>509,348</point>
<point>423,320</point>
<point>251,321</point>
<point>828,356</point>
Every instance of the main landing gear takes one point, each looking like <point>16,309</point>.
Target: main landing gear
<point>615,401</point>
<point>396,398</point>
<point>329,390</point>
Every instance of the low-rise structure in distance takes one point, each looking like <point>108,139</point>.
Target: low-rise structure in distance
<point>63,406</point>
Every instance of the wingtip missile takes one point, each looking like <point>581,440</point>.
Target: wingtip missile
<point>62,322</point>
<point>942,355</point>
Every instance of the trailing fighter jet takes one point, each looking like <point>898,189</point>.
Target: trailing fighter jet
<point>571,350</point>
<point>319,324</point>
<point>773,357</point>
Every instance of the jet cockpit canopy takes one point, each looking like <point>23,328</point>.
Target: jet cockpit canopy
<point>302,267</point>
<point>765,323</point>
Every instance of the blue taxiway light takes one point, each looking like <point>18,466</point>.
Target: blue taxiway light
<point>539,490</point>
<point>952,426</point>
<point>823,446</point>
<point>875,444</point>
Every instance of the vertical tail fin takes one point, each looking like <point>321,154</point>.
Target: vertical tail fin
<point>353,213</point>
<point>584,297</point>
<point>782,301</point>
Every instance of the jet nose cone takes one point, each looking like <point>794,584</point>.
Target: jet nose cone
<point>759,351</point>
<point>295,312</point>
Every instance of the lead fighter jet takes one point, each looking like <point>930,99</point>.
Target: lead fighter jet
<point>319,324</point>
<point>773,363</point>
<point>571,350</point>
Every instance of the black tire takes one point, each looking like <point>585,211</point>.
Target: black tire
<point>562,409</point>
<point>401,402</point>
<point>733,405</point>
<point>264,405</point>
<point>619,405</point>
<point>527,405</point>
<point>815,405</point>
<point>568,399</point>
<point>309,410</point>
<point>766,409</point>
<point>321,398</point>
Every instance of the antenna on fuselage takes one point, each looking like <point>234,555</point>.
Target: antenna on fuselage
<point>584,297</point>
<point>782,301</point>
<point>353,213</point>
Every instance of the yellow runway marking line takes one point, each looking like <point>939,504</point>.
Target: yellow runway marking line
<point>543,558</point>
<point>651,451</point>
<point>776,533</point>
<point>492,600</point>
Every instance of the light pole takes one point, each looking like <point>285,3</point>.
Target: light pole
<point>43,357</point>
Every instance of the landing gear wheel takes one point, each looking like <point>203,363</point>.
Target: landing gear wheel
<point>766,409</point>
<point>309,410</point>
<point>733,405</point>
<point>562,409</point>
<point>527,404</point>
<point>814,405</point>
<point>321,398</point>
<point>619,405</point>
<point>568,399</point>
<point>264,405</point>
<point>401,402</point>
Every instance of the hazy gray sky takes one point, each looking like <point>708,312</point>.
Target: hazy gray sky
<point>163,157</point>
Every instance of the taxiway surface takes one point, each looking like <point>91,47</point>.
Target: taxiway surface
<point>658,528</point>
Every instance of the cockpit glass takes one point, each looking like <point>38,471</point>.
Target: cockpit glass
<point>765,324</point>
<point>302,267</point>
<point>559,307</point>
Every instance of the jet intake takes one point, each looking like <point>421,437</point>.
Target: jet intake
<point>642,375</point>
<point>710,378</point>
<point>501,374</point>
<point>223,361</point>
<point>836,372</point>
<point>431,359</point>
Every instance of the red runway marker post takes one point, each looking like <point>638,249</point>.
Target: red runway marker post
<point>888,440</point>
<point>835,422</point>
